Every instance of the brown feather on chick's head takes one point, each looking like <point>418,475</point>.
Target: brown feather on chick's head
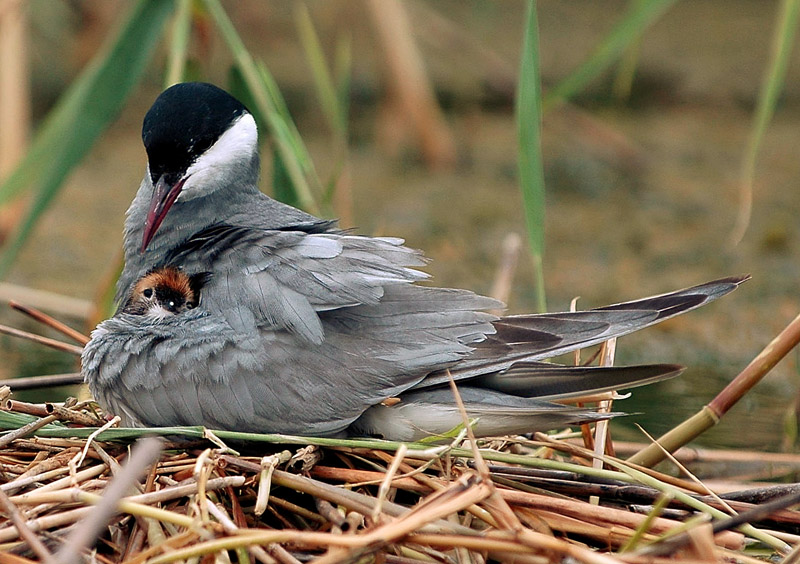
<point>165,291</point>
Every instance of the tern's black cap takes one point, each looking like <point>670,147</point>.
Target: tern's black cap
<point>184,121</point>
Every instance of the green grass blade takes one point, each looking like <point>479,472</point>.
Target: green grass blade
<point>323,81</point>
<point>269,102</point>
<point>333,93</point>
<point>89,106</point>
<point>281,182</point>
<point>771,86</point>
<point>628,29</point>
<point>63,116</point>
<point>531,172</point>
<point>282,187</point>
<point>622,85</point>
<point>179,43</point>
<point>343,67</point>
<point>283,127</point>
<point>342,70</point>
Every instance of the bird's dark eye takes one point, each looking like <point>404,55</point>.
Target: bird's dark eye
<point>148,293</point>
<point>171,304</point>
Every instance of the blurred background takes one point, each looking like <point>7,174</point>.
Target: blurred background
<point>642,166</point>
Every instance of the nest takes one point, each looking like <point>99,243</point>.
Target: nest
<point>73,492</point>
<point>76,488</point>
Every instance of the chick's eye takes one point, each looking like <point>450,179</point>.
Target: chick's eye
<point>148,293</point>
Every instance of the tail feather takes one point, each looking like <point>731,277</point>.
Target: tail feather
<point>546,381</point>
<point>509,389</point>
<point>574,330</point>
<point>539,336</point>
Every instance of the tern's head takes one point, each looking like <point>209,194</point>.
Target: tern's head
<point>164,292</point>
<point>198,139</point>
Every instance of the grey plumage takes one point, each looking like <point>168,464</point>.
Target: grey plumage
<point>305,329</point>
<point>434,412</point>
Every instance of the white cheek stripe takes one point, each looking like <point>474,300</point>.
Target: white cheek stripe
<point>237,144</point>
<point>222,161</point>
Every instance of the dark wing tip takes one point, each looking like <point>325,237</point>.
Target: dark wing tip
<point>721,286</point>
<point>544,380</point>
<point>673,303</point>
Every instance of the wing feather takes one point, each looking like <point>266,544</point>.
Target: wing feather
<point>286,278</point>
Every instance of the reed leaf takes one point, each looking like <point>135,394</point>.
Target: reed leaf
<point>771,86</point>
<point>179,43</point>
<point>626,71</point>
<point>342,69</point>
<point>333,92</point>
<point>86,110</point>
<point>323,80</point>
<point>270,103</point>
<point>531,171</point>
<point>638,17</point>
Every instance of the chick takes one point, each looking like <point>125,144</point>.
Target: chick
<point>165,291</point>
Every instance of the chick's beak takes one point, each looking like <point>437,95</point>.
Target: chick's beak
<point>164,195</point>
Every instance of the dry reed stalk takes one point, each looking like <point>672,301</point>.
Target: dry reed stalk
<point>627,493</point>
<point>296,509</point>
<point>727,398</point>
<point>52,343</point>
<point>37,409</point>
<point>50,301</point>
<point>231,528</point>
<point>436,484</point>
<point>171,543</point>
<point>688,454</point>
<point>755,514</point>
<point>16,517</point>
<point>602,517</point>
<point>578,451</point>
<point>358,478</point>
<point>73,416</point>
<point>83,537</point>
<point>51,322</point>
<point>26,430</point>
<point>415,102</point>
<point>67,517</point>
<point>641,476</point>
<point>461,494</point>
<point>495,504</point>
<point>433,507</point>
<point>615,535</point>
<point>49,381</point>
<point>608,516</point>
<point>15,111</point>
<point>506,268</point>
